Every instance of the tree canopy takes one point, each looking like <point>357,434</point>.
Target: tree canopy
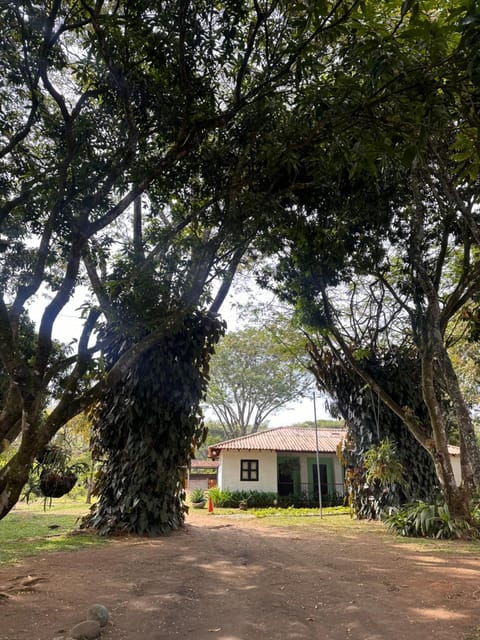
<point>147,147</point>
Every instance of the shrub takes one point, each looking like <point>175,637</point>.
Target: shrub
<point>231,499</point>
<point>197,495</point>
<point>219,497</point>
<point>308,500</point>
<point>476,514</point>
<point>421,519</point>
<point>264,499</point>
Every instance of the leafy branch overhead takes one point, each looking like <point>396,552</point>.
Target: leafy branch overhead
<point>384,258</point>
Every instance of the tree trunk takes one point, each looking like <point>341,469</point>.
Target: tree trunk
<point>90,487</point>
<point>145,430</point>
<point>469,450</point>
<point>14,474</point>
<point>13,478</point>
<point>456,498</point>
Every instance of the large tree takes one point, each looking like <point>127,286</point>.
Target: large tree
<point>370,422</point>
<point>254,373</point>
<point>168,108</point>
<point>387,257</point>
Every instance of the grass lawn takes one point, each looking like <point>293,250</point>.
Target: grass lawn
<point>281,515</point>
<point>29,529</point>
<point>337,521</point>
<point>334,520</point>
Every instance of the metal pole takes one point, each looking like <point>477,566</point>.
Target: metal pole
<point>318,458</point>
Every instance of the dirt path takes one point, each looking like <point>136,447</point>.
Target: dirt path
<point>227,578</point>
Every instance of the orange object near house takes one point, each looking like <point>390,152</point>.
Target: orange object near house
<point>210,505</point>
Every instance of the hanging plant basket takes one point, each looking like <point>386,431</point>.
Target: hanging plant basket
<point>52,454</point>
<point>55,484</point>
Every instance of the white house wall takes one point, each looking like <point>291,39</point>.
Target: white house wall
<point>339,475</point>
<point>229,471</point>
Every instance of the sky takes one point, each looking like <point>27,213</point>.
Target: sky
<point>299,412</point>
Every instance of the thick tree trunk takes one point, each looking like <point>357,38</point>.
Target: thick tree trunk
<point>456,498</point>
<point>145,430</point>
<point>12,480</point>
<point>469,450</point>
<point>14,474</point>
<point>13,477</point>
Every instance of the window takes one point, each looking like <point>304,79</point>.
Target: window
<point>248,469</point>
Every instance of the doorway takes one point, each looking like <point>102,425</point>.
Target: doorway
<point>288,470</point>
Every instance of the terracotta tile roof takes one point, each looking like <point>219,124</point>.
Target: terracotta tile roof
<point>204,464</point>
<point>287,439</point>
<point>283,439</point>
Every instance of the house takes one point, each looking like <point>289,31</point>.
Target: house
<point>282,461</point>
<point>202,474</point>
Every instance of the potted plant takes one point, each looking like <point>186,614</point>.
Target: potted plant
<point>198,499</point>
<point>243,504</point>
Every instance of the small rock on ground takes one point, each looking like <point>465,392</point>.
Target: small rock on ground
<point>86,630</point>
<point>99,613</point>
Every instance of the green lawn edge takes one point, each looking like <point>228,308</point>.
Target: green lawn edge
<point>35,528</point>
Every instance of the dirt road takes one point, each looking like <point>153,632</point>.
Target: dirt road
<point>235,578</point>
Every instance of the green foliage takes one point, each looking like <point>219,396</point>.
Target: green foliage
<point>427,520</point>
<point>227,498</point>
<point>382,464</point>
<point>370,422</point>
<point>476,512</point>
<point>321,424</point>
<point>372,263</point>
<point>222,132</point>
<point>197,495</point>
<point>6,455</point>
<point>177,114</point>
<point>215,434</point>
<point>54,474</point>
<point>26,344</point>
<point>221,498</point>
<point>254,374</point>
<point>297,512</point>
<point>309,500</point>
<point>259,499</point>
